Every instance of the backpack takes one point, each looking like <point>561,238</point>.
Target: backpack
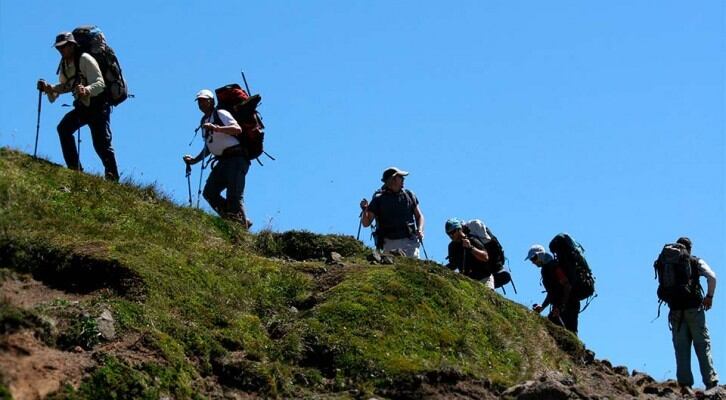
<point>477,228</point>
<point>378,232</point>
<point>678,284</point>
<point>243,108</point>
<point>91,40</point>
<point>569,254</point>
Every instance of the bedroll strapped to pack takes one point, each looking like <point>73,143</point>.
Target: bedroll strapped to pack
<point>243,108</point>
<point>678,284</point>
<point>476,228</point>
<point>569,255</point>
<point>91,40</point>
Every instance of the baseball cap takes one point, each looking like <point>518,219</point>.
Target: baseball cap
<point>63,38</point>
<point>452,224</point>
<point>204,94</point>
<point>392,171</point>
<point>534,251</point>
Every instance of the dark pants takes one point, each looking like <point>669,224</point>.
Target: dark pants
<point>228,173</point>
<point>569,316</point>
<point>97,116</point>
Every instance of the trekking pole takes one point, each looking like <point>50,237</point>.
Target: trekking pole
<point>37,124</point>
<point>245,81</point>
<point>199,191</point>
<point>189,182</point>
<point>423,248</point>
<point>79,150</point>
<point>360,224</point>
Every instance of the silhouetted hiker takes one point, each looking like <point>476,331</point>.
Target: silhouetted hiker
<point>565,308</point>
<point>400,223</point>
<point>79,73</point>
<point>679,286</point>
<point>230,165</point>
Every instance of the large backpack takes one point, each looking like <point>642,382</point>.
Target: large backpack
<point>678,284</point>
<point>476,228</point>
<point>569,255</point>
<point>91,40</point>
<point>243,108</point>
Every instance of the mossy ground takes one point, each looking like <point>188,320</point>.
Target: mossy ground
<point>214,300</point>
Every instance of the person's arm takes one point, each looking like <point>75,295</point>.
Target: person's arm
<point>90,69</point>
<point>199,157</point>
<point>229,124</point>
<point>479,254</point>
<point>705,270</point>
<point>420,220</point>
<point>367,216</point>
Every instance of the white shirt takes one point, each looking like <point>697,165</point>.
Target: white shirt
<point>218,141</point>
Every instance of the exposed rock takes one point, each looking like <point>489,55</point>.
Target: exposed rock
<point>106,325</point>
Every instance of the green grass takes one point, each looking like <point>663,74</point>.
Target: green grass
<point>211,299</point>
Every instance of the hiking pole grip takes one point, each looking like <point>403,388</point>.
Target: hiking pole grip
<point>37,124</point>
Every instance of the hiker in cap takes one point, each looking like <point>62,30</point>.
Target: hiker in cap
<point>468,253</point>
<point>230,167</point>
<point>565,309</point>
<point>400,223</point>
<point>80,74</point>
<point>687,320</point>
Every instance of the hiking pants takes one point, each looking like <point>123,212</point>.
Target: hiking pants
<point>688,327</point>
<point>227,174</point>
<point>409,246</point>
<point>97,116</point>
<point>569,316</point>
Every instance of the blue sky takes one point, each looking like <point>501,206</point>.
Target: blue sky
<point>605,120</point>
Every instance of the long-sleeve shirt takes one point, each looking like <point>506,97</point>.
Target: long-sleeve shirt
<point>90,77</point>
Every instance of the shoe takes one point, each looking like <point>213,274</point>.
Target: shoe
<point>712,385</point>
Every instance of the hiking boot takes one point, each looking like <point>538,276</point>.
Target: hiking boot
<point>712,385</point>
<point>686,390</point>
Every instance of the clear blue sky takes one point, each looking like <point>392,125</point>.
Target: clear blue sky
<point>604,119</point>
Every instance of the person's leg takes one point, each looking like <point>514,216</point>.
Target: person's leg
<point>489,281</point>
<point>99,122</point>
<point>236,176</point>
<point>682,340</point>
<point>696,320</point>
<point>571,315</point>
<point>66,128</point>
<point>212,189</point>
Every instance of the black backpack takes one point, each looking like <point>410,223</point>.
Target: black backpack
<point>678,284</point>
<point>569,255</point>
<point>91,40</point>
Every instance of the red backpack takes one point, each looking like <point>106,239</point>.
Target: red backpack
<point>243,107</point>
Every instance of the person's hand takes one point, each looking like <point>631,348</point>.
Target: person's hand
<point>707,302</point>
<point>537,308</point>
<point>187,159</point>
<point>420,234</point>
<point>363,204</point>
<point>42,85</point>
<point>466,243</point>
<point>209,126</point>
<point>82,91</point>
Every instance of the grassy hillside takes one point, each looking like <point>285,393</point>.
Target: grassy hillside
<point>213,306</point>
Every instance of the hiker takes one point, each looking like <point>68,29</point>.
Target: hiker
<point>80,74</point>
<point>687,320</point>
<point>230,164</point>
<point>565,308</point>
<point>468,253</point>
<point>397,213</point>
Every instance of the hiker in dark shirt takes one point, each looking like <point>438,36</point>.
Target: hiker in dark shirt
<point>565,308</point>
<point>468,254</point>
<point>398,215</point>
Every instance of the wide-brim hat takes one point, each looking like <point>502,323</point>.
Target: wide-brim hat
<point>64,38</point>
<point>391,172</point>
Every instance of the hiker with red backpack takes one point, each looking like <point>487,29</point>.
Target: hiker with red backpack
<point>678,273</point>
<point>565,307</point>
<point>231,164</point>
<point>400,222</point>
<point>79,72</point>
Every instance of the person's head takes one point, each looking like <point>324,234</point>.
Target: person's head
<point>453,228</point>
<point>66,44</point>
<point>686,242</point>
<point>536,255</point>
<point>393,178</point>
<point>205,101</point>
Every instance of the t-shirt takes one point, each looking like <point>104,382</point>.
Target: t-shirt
<point>394,213</point>
<point>218,141</point>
